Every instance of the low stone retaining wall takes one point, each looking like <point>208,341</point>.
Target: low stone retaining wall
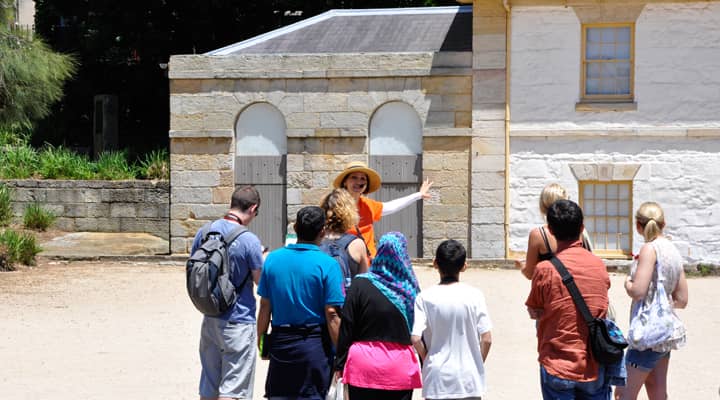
<point>99,206</point>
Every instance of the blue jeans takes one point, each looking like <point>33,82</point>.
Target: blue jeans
<point>554,388</point>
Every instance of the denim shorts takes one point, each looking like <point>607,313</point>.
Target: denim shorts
<point>555,388</point>
<point>644,360</point>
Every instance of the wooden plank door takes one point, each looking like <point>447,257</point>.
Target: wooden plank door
<point>401,176</point>
<point>267,174</point>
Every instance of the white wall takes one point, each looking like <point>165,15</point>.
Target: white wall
<point>677,69</point>
<point>674,172</point>
<point>26,12</point>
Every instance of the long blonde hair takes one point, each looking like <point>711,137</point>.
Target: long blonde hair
<point>341,212</point>
<point>651,218</point>
<point>550,194</point>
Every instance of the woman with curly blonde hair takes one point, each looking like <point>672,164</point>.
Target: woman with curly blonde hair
<point>341,215</point>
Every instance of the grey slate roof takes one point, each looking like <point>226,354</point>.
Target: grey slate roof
<point>429,29</point>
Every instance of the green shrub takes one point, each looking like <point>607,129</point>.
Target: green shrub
<point>18,162</point>
<point>156,165</point>
<point>38,218</point>
<point>21,247</point>
<point>114,166</point>
<point>6,212</point>
<point>15,134</point>
<point>61,163</point>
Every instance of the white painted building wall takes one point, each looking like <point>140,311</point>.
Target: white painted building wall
<point>677,65</point>
<point>677,90</point>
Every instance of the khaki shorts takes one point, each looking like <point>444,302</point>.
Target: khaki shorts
<point>227,355</point>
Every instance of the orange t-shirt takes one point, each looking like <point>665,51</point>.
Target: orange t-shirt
<point>562,332</point>
<point>370,211</point>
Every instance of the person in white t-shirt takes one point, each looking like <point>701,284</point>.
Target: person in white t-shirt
<point>451,332</point>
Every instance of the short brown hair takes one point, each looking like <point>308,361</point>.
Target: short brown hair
<point>244,197</point>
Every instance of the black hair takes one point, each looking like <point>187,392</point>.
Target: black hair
<point>244,197</point>
<point>565,219</point>
<point>309,222</point>
<point>450,257</point>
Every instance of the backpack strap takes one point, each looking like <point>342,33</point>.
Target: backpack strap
<point>569,282</point>
<point>234,234</point>
<point>545,239</point>
<point>344,241</point>
<point>205,231</point>
<point>231,238</point>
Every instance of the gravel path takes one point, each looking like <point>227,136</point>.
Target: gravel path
<point>100,330</point>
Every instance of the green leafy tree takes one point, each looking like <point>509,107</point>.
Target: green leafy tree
<point>31,76</point>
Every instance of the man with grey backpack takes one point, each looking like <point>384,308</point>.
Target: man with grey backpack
<point>225,260</point>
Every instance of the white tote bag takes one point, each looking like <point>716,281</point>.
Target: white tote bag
<point>654,324</point>
<point>336,391</point>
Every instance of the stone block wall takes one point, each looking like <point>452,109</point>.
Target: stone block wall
<point>327,116</point>
<point>488,130</point>
<point>672,171</point>
<point>98,206</point>
<point>446,215</point>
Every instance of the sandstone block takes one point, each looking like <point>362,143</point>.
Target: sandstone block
<point>447,85</point>
<point>343,119</point>
<point>118,210</point>
<point>196,146</point>
<point>463,119</point>
<point>490,197</point>
<point>191,195</point>
<point>325,102</point>
<point>195,179</point>
<point>302,120</point>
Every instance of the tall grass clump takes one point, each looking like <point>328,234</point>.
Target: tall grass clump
<point>156,165</point>
<point>6,212</point>
<point>61,163</point>
<point>114,165</point>
<point>38,218</point>
<point>21,247</point>
<point>18,162</point>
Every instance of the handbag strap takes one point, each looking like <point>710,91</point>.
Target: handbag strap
<point>545,239</point>
<point>569,282</point>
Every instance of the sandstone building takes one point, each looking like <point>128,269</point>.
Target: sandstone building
<point>619,101</point>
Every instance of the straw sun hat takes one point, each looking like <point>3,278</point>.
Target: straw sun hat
<point>359,166</point>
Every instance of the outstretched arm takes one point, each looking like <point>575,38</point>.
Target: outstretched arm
<point>393,206</point>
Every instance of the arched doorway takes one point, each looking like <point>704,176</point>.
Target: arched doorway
<point>396,153</point>
<point>260,160</point>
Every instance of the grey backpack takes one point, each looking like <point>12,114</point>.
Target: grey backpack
<point>208,272</point>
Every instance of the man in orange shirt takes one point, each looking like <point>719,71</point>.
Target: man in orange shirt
<point>567,368</point>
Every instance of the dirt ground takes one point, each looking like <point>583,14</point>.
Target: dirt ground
<point>114,330</point>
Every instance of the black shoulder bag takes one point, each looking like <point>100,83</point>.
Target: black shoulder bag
<point>606,340</point>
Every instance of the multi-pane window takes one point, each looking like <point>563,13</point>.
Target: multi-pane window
<point>608,62</point>
<point>607,207</point>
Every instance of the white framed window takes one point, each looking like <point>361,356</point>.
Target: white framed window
<point>607,208</point>
<point>608,62</point>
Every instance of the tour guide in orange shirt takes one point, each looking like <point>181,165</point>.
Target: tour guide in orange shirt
<point>358,179</point>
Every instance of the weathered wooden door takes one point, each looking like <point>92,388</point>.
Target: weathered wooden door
<point>267,174</point>
<point>396,153</point>
<point>260,160</point>
<point>401,176</point>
